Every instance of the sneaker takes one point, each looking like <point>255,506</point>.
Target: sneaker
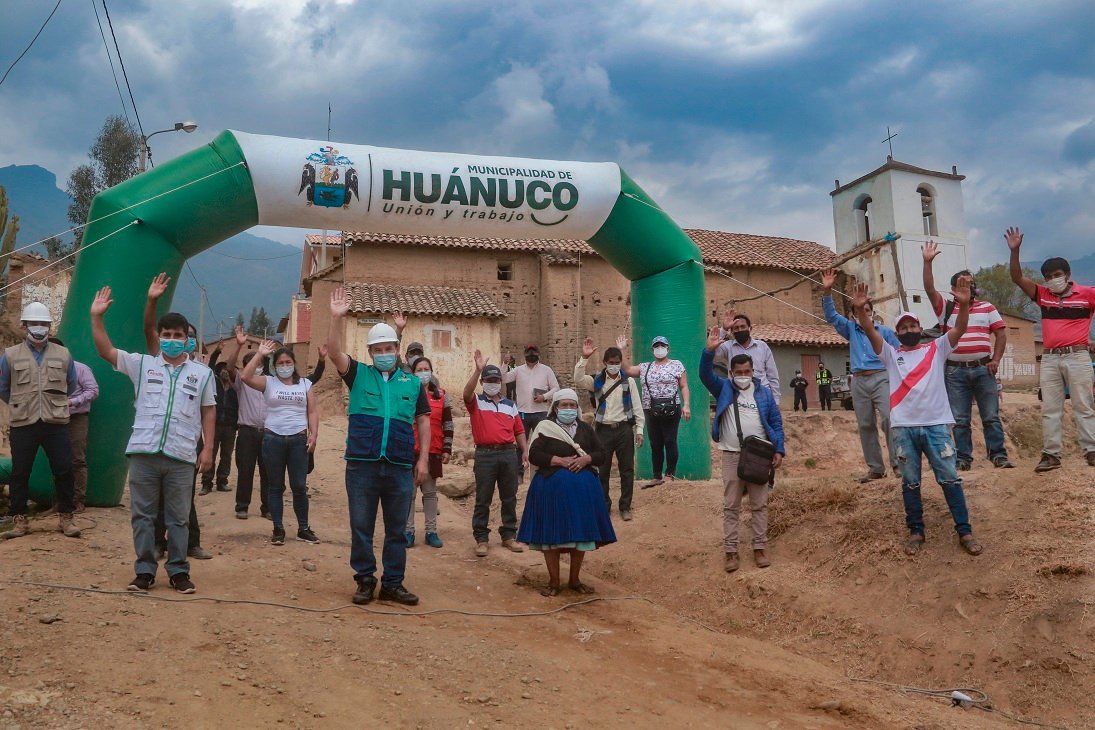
<point>1089,457</point>
<point>1049,462</point>
<point>67,525</point>
<point>481,550</point>
<point>19,527</point>
<point>278,538</point>
<point>205,490</point>
<point>409,537</point>
<point>655,482</point>
<point>181,582</point>
<point>141,583</point>
<point>1002,462</point>
<point>305,534</point>
<point>199,553</point>
<point>433,540</point>
<point>241,514</point>
<point>732,563</point>
<point>365,588</point>
<point>964,465</point>
<point>760,557</point>
<point>625,515</point>
<point>513,546</point>
<point>399,594</point>
<point>871,476</point>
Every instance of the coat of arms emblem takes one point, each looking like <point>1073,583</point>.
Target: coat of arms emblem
<point>328,179</point>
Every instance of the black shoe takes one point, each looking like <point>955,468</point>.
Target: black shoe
<point>182,583</point>
<point>1002,462</point>
<point>1049,462</point>
<point>141,583</point>
<point>205,490</point>
<point>399,594</point>
<point>278,538</point>
<point>365,588</point>
<point>963,465</point>
<point>306,535</point>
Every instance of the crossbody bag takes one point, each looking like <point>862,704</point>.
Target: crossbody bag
<point>660,408</point>
<point>755,461</point>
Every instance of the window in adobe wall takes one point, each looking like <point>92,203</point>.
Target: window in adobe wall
<point>441,339</point>
<point>505,271</point>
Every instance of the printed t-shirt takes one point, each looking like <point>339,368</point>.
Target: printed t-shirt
<point>286,406</point>
<point>918,390</point>
<point>750,421</point>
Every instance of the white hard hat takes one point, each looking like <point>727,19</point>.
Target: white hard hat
<point>382,333</point>
<point>36,312</point>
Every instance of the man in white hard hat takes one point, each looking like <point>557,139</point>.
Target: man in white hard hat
<point>386,404</point>
<point>36,379</point>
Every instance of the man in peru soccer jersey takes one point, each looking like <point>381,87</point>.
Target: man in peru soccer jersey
<point>972,367</point>
<point>920,415</point>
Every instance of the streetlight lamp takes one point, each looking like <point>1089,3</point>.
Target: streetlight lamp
<point>187,127</point>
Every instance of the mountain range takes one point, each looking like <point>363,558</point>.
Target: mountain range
<point>243,272</point>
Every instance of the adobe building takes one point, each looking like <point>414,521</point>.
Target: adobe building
<point>33,279</point>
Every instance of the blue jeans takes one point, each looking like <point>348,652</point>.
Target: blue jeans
<point>964,385</point>
<point>935,442</point>
<point>281,454</point>
<point>371,485</point>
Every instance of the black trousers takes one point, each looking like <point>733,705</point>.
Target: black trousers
<point>618,440</point>
<point>663,443</point>
<point>825,395</point>
<point>249,455</point>
<point>224,441</point>
<point>800,397</point>
<point>52,438</point>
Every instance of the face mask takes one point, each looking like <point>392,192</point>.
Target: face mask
<point>743,382</point>
<point>613,370</point>
<point>38,332</point>
<point>172,348</point>
<point>909,339</point>
<point>532,359</point>
<point>424,376</point>
<point>384,363</point>
<point>1057,284</point>
<point>285,371</point>
<point>661,352</point>
<point>742,336</point>
<point>492,389</point>
<point>191,345</point>
<point>567,415</point>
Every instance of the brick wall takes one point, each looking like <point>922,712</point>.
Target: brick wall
<point>1019,366</point>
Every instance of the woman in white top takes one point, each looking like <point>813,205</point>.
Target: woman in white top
<point>292,425</point>
<point>665,401</point>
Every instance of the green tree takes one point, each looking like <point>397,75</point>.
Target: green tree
<point>57,249</point>
<point>260,322</point>
<point>114,159</point>
<point>997,287</point>
<point>239,319</point>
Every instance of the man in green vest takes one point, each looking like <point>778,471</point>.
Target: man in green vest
<point>825,386</point>
<point>386,404</point>
<point>36,379</point>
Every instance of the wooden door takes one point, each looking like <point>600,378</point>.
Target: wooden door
<point>809,371</point>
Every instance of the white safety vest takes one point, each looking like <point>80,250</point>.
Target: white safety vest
<point>168,420</point>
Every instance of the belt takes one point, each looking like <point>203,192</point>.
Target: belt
<point>495,447</point>
<point>618,424</point>
<point>968,363</point>
<point>867,372</point>
<point>286,436</point>
<point>253,428</point>
<point>1066,350</point>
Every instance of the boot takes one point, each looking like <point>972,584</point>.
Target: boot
<point>67,525</point>
<point>19,527</point>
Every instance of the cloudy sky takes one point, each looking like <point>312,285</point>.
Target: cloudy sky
<point>733,114</point>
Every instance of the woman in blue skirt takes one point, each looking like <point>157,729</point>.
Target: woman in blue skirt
<point>565,507</point>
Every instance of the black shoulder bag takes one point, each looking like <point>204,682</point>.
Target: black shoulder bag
<point>660,408</point>
<point>755,461</point>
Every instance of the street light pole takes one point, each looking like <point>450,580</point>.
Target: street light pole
<point>187,127</point>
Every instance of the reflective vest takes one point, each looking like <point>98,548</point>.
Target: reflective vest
<point>168,417</point>
<point>824,377</point>
<point>38,392</point>
<point>381,416</point>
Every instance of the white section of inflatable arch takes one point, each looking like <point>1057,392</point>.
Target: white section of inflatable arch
<point>329,185</point>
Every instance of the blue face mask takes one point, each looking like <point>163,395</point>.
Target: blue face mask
<point>191,345</point>
<point>384,363</point>
<point>172,348</point>
<point>567,415</point>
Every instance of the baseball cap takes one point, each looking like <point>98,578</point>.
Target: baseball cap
<point>532,348</point>
<point>904,316</point>
<point>491,371</point>
<point>416,346</point>
<point>659,340</point>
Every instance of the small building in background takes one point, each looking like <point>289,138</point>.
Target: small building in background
<point>32,279</point>
<point>1019,366</point>
<point>802,347</point>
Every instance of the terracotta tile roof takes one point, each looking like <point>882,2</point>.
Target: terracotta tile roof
<point>817,335</point>
<point>317,238</point>
<point>717,247</point>
<point>366,297</point>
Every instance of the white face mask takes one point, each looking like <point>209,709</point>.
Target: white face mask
<point>613,370</point>
<point>1057,284</point>
<point>424,376</point>
<point>492,389</point>
<point>660,352</point>
<point>38,332</point>
<point>743,382</point>
<point>285,371</point>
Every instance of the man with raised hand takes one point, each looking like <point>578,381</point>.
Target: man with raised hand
<point>386,404</point>
<point>740,330</point>
<point>1067,309</point>
<point>175,403</point>
<point>870,386</point>
<point>971,368</point>
<point>920,415</point>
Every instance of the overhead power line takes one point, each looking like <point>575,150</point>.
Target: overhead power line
<point>29,45</point>
<point>121,63</point>
<point>110,59</point>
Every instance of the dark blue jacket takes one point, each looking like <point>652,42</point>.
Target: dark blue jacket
<point>724,391</point>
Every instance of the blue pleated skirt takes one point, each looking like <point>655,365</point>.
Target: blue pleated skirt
<point>565,508</point>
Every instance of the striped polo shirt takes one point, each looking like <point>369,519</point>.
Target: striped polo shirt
<point>976,343</point>
<point>1066,320</point>
<point>493,424</point>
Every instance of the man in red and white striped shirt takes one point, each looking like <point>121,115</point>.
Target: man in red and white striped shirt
<point>971,367</point>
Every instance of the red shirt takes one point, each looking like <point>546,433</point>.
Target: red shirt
<point>1066,320</point>
<point>976,343</point>
<point>494,424</point>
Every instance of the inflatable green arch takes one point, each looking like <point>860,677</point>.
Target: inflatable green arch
<point>160,218</point>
